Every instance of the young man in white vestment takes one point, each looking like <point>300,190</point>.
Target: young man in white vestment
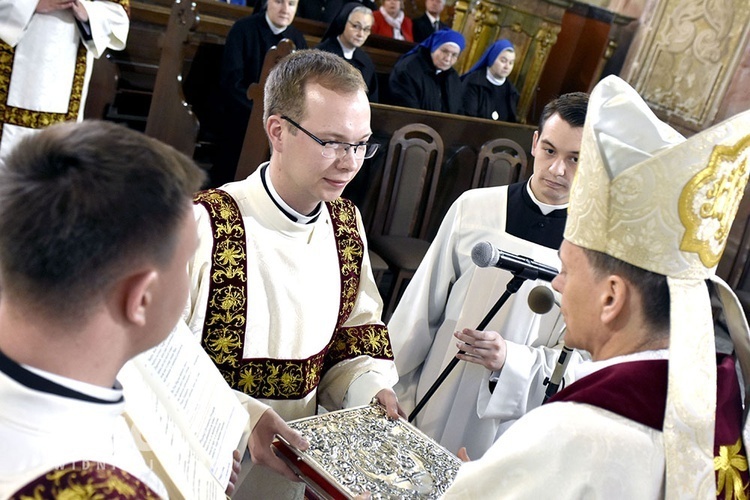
<point>48,48</point>
<point>655,413</point>
<point>282,293</point>
<point>450,295</point>
<point>97,231</point>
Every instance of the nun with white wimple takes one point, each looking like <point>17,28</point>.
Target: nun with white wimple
<point>487,91</point>
<point>424,77</point>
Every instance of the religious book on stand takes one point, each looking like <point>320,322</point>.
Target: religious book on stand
<point>186,419</point>
<point>360,449</point>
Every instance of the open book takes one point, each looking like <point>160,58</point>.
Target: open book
<point>184,416</point>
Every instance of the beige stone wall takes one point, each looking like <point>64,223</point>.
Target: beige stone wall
<point>689,57</point>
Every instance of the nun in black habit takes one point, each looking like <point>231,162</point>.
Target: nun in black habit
<point>346,35</point>
<point>244,51</point>
<point>424,77</point>
<point>487,91</point>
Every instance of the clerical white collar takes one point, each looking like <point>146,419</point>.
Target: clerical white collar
<point>587,368</point>
<point>544,207</point>
<point>348,53</point>
<point>114,394</point>
<point>288,211</point>
<point>274,29</point>
<point>493,79</point>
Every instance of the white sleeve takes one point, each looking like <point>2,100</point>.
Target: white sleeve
<point>421,310</point>
<point>355,381</point>
<point>567,451</point>
<point>199,270</point>
<point>520,385</point>
<point>109,26</point>
<point>15,16</point>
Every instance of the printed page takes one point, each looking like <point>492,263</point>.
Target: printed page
<point>186,412</point>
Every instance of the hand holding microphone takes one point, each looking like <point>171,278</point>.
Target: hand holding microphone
<point>484,254</point>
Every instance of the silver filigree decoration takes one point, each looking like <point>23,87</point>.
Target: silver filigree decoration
<point>365,451</point>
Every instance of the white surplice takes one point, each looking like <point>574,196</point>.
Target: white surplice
<point>47,421</point>
<point>448,293</point>
<point>45,75</point>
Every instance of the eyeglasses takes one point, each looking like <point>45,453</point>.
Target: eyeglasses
<point>337,149</point>
<point>359,27</point>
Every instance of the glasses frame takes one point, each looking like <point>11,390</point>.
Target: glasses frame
<point>359,27</point>
<point>346,145</point>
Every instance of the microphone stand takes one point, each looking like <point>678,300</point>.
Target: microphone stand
<point>512,287</point>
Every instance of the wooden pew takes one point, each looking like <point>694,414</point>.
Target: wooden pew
<point>154,54</point>
<point>462,136</point>
<point>128,78</point>
<point>170,118</point>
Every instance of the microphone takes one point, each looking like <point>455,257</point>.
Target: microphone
<point>541,299</point>
<point>554,381</point>
<point>484,254</point>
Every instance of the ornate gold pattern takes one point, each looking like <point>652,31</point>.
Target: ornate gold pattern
<point>224,329</point>
<point>709,202</point>
<point>728,465</point>
<point>39,119</point>
<point>89,480</point>
<point>532,27</point>
<point>6,65</point>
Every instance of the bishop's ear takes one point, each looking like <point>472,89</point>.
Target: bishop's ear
<point>614,298</point>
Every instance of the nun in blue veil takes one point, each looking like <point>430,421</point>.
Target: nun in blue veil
<point>487,91</point>
<point>424,77</point>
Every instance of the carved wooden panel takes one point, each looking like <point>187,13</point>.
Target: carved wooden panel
<point>532,27</point>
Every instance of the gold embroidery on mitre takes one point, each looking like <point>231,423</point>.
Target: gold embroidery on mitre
<point>709,202</point>
<point>728,465</point>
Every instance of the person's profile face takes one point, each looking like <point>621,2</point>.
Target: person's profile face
<point>555,153</point>
<point>171,290</point>
<point>281,12</point>
<point>434,7</point>
<point>392,7</point>
<point>445,56</point>
<point>503,64</point>
<point>356,30</point>
<point>581,290</point>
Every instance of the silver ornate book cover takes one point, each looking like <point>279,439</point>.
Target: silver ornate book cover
<point>360,449</point>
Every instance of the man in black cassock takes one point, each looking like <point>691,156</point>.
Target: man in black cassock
<point>244,51</point>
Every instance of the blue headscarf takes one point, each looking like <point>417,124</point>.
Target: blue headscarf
<point>438,38</point>
<point>490,55</point>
